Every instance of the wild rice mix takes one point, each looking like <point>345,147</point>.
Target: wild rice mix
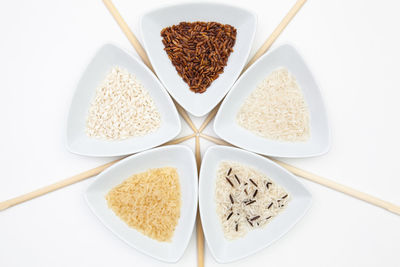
<point>246,199</point>
<point>199,51</point>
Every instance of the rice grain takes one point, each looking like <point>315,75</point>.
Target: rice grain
<point>122,108</point>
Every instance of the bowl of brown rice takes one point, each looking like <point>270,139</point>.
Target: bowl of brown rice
<point>198,50</point>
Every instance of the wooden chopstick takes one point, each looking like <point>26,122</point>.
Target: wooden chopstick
<point>322,181</point>
<point>215,140</point>
<point>199,228</point>
<point>185,116</point>
<point>210,116</point>
<point>60,184</point>
<point>142,53</point>
<point>74,179</point>
<point>340,188</point>
<point>275,34</point>
<point>129,34</point>
<point>264,48</point>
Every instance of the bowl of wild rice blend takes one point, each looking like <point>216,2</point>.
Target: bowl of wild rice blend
<point>149,200</point>
<point>276,109</point>
<point>246,202</point>
<point>198,50</point>
<point>119,107</point>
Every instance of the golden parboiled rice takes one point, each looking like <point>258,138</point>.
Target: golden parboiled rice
<point>276,109</point>
<point>149,201</point>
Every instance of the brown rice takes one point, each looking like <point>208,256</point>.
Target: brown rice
<point>199,51</point>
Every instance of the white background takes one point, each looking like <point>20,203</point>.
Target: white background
<point>352,48</point>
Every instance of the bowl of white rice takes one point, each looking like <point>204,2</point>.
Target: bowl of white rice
<point>119,107</point>
<point>276,108</point>
<point>246,202</point>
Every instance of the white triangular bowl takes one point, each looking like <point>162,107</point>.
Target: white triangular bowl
<point>154,21</point>
<point>226,127</point>
<point>225,250</point>
<point>108,56</point>
<point>177,156</point>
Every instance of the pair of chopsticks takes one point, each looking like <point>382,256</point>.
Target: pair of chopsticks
<point>197,133</point>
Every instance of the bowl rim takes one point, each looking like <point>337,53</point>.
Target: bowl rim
<point>163,91</point>
<point>168,4</point>
<point>293,179</point>
<point>203,3</point>
<point>191,223</point>
<point>328,144</point>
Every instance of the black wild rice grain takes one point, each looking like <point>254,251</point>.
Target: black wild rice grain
<point>229,181</point>
<point>255,218</point>
<point>237,179</point>
<point>253,182</point>
<point>250,202</point>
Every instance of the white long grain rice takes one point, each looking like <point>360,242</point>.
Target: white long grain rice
<point>276,109</point>
<point>122,108</point>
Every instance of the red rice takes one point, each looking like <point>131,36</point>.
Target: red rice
<point>199,51</point>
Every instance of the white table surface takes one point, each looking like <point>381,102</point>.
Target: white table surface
<point>353,50</point>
